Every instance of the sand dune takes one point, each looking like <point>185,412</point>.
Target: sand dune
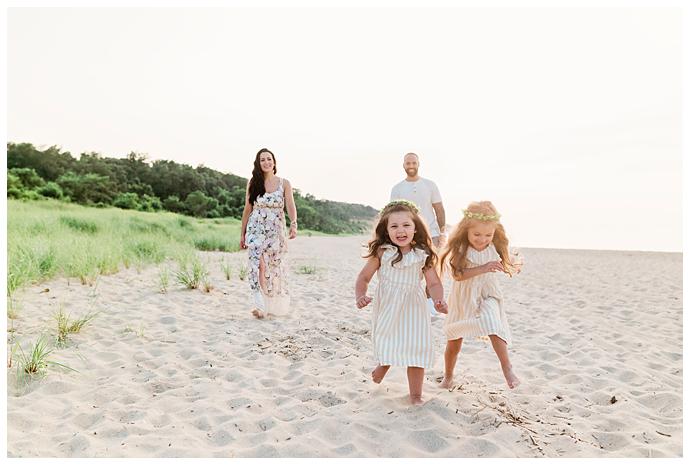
<point>192,374</point>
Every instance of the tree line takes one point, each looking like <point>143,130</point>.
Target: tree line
<point>135,183</point>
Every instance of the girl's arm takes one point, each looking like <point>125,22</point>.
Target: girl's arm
<point>291,209</point>
<point>245,216</point>
<point>468,273</point>
<point>362,283</point>
<point>433,283</point>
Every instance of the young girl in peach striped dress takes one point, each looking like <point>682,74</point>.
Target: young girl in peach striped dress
<point>402,253</point>
<point>477,248</point>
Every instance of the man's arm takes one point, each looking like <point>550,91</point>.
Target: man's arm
<point>440,215</point>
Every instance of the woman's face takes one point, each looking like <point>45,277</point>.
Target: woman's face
<point>266,162</point>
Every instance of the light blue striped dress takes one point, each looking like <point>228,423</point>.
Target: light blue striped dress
<point>475,306</point>
<point>401,324</point>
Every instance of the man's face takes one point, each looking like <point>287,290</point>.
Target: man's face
<point>411,165</point>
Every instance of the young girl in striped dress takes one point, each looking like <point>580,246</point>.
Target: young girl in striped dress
<point>476,250</point>
<point>402,253</point>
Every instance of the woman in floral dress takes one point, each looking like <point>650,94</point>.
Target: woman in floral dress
<point>263,234</point>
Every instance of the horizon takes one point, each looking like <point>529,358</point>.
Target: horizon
<point>561,134</point>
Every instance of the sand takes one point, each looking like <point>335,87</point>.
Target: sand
<point>192,374</point>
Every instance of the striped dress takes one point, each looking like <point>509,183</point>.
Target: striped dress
<point>475,306</point>
<point>401,324</point>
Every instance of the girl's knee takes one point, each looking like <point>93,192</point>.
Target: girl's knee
<point>454,345</point>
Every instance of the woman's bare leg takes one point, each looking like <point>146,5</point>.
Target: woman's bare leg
<point>258,313</point>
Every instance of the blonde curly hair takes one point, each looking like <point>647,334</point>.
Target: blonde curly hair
<point>455,253</point>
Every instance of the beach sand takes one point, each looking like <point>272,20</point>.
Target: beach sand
<point>597,346</point>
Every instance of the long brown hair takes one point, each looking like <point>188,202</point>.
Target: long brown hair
<point>421,238</point>
<point>455,253</point>
<point>256,184</point>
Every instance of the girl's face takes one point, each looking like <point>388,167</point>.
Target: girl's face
<point>480,235</point>
<point>266,162</point>
<point>401,228</point>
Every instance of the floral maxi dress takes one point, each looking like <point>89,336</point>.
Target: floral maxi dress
<point>265,239</point>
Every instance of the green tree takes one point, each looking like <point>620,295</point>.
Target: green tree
<point>127,201</point>
<point>173,204</point>
<point>52,190</point>
<point>29,178</point>
<point>88,188</point>
<point>150,203</point>
<point>198,204</point>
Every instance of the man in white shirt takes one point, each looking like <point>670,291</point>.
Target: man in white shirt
<point>425,194</point>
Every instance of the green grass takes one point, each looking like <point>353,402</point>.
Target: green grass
<point>35,363</point>
<point>163,280</point>
<point>227,269</point>
<point>130,329</point>
<point>12,309</point>
<point>48,238</point>
<point>192,276</point>
<point>306,269</point>
<point>65,326</point>
<point>243,272</point>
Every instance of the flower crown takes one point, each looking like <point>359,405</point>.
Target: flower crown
<point>480,216</point>
<point>407,203</point>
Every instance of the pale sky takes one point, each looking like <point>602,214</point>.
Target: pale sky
<point>568,119</point>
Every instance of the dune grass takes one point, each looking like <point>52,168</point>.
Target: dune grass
<point>191,276</point>
<point>65,326</point>
<point>48,238</point>
<point>35,363</point>
<point>306,269</point>
<point>163,280</point>
<point>243,272</point>
<point>227,269</point>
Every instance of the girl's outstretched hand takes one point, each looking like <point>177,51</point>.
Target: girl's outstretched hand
<point>441,306</point>
<point>363,301</point>
<point>492,267</point>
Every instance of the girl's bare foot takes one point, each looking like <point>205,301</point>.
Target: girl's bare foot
<point>511,379</point>
<point>416,400</point>
<point>258,313</point>
<point>447,382</point>
<point>379,372</point>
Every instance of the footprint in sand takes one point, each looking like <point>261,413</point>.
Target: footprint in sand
<point>427,440</point>
<point>266,424</point>
<point>221,438</point>
<point>329,400</point>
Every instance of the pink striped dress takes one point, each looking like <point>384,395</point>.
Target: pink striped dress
<point>475,306</point>
<point>401,324</point>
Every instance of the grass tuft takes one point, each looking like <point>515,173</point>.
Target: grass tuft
<point>306,269</point>
<point>36,362</point>
<point>227,269</point>
<point>65,327</point>
<point>163,279</point>
<point>243,272</point>
<point>191,278</point>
